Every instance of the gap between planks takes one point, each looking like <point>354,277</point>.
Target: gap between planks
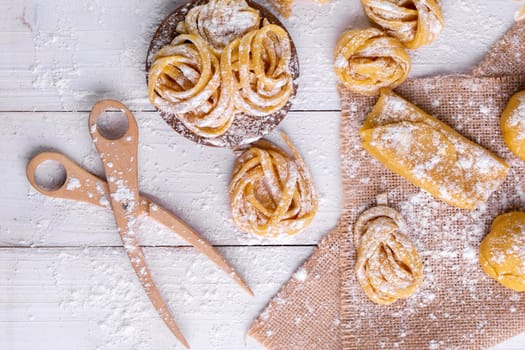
<point>153,111</point>
<point>157,246</point>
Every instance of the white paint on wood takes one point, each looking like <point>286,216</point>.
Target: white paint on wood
<point>90,298</point>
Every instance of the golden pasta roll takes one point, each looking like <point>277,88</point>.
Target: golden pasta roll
<point>430,154</point>
<point>513,124</point>
<point>256,70</point>
<point>502,253</point>
<point>367,60</point>
<point>271,192</point>
<point>414,22</point>
<point>219,22</point>
<point>388,265</point>
<point>185,80</point>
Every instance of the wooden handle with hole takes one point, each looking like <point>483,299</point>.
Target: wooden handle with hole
<point>80,185</point>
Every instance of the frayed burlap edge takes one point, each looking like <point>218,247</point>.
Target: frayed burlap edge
<point>302,315</point>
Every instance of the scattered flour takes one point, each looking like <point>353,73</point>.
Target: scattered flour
<point>73,184</point>
<point>301,274</point>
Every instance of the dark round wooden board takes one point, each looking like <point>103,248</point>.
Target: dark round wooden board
<point>244,129</point>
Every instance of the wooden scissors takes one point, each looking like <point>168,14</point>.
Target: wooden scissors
<point>120,193</point>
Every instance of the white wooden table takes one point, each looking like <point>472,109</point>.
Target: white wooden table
<point>65,282</point>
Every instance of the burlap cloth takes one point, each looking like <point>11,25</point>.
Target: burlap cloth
<point>458,306</point>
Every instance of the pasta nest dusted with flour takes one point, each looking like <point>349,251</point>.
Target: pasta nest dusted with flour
<point>219,22</point>
<point>414,22</point>
<point>222,64</point>
<point>185,80</point>
<point>271,192</point>
<point>388,265</point>
<point>255,70</point>
<point>367,60</point>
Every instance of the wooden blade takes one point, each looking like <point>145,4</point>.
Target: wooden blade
<point>119,157</point>
<point>189,235</point>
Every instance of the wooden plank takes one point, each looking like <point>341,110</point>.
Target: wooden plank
<point>516,343</point>
<point>64,55</point>
<point>90,298</point>
<point>191,180</point>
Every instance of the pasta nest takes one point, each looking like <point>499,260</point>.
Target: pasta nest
<point>205,90</point>
<point>271,192</point>
<point>367,60</point>
<point>388,265</point>
<point>219,22</point>
<point>185,80</point>
<point>255,68</point>
<point>413,22</point>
